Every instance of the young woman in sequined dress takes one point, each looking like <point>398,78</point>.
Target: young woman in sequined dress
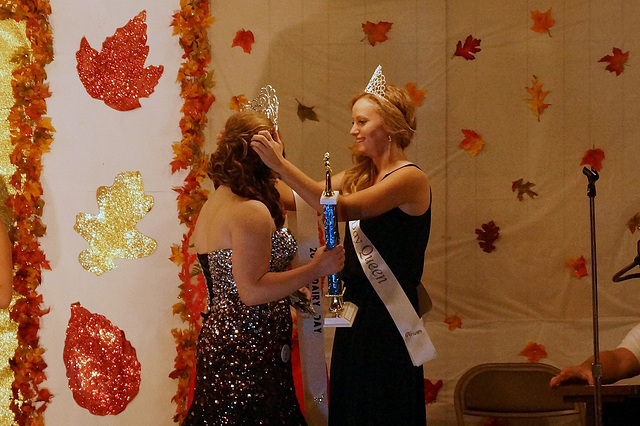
<point>243,354</point>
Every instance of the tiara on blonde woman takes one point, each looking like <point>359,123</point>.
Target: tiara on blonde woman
<point>378,84</point>
<point>266,103</point>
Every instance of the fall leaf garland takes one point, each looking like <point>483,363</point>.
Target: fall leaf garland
<point>32,134</point>
<point>190,23</point>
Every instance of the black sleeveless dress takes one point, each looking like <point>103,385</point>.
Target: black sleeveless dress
<point>243,370</point>
<point>373,381</point>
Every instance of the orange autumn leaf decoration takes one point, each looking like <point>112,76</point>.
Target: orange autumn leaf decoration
<point>31,136</point>
<point>238,102</point>
<point>415,94</point>
<point>190,23</point>
<point>470,47</point>
<point>578,267</point>
<point>634,223</point>
<point>536,103</point>
<point>376,33</point>
<point>542,22</point>
<point>616,61</point>
<point>243,39</point>
<point>534,352</point>
<point>472,142</point>
<point>593,158</point>
<point>431,390</point>
<point>523,189</point>
<point>454,321</point>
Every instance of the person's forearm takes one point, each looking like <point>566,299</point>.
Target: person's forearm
<point>614,366</point>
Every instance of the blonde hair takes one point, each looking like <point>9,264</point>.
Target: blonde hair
<point>398,114</point>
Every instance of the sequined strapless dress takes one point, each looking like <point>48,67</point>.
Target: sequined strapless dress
<point>243,355</point>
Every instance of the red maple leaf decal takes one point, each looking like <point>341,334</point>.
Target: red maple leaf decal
<point>416,95</point>
<point>376,33</point>
<point>117,74</point>
<point>243,39</point>
<point>578,267</point>
<point>471,46</point>
<point>472,142</point>
<point>487,236</point>
<point>593,158</point>
<point>523,189</point>
<point>616,61</point>
<point>431,390</point>
<point>542,22</point>
<point>454,322</point>
<point>534,352</point>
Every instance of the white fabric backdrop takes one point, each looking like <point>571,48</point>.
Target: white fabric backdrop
<point>94,143</point>
<point>524,291</point>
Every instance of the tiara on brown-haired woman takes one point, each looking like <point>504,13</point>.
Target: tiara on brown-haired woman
<point>378,84</point>
<point>266,103</point>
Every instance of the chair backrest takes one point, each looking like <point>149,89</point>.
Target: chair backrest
<point>510,390</point>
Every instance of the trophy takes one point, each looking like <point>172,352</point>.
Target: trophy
<point>341,313</point>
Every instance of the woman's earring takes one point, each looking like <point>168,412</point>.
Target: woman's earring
<point>389,138</point>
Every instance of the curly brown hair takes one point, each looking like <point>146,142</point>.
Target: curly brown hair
<point>236,165</point>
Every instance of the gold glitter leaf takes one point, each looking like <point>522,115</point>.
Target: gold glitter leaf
<point>112,233</point>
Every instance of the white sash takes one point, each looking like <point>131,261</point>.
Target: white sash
<point>304,226</point>
<point>381,277</point>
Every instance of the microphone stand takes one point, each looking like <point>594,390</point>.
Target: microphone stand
<point>596,367</point>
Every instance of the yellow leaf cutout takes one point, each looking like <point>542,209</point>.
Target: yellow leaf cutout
<point>112,232</point>
<point>536,103</point>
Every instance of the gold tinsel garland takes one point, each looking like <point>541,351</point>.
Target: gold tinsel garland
<point>31,136</point>
<point>190,23</point>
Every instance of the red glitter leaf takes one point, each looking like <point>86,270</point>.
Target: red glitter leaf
<point>487,236</point>
<point>534,352</point>
<point>431,390</point>
<point>102,367</point>
<point>117,74</point>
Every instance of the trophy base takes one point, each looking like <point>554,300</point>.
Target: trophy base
<point>343,318</point>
